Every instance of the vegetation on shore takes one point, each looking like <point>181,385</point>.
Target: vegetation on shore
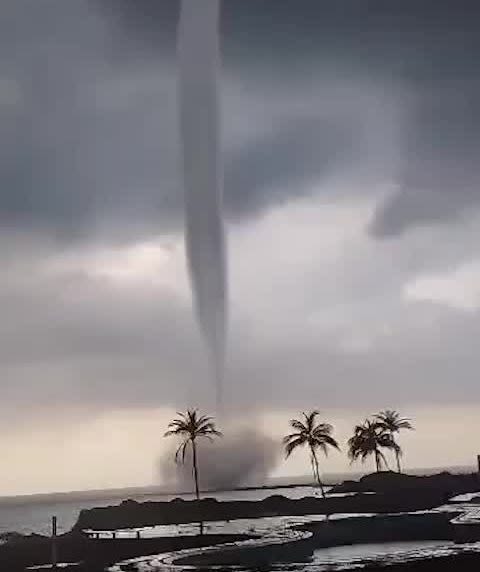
<point>372,438</point>
<point>190,427</point>
<point>391,422</point>
<point>317,436</point>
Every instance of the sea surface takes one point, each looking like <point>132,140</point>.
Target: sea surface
<point>27,515</point>
<point>34,516</point>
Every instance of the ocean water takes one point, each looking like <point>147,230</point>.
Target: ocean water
<point>34,516</point>
<point>28,515</point>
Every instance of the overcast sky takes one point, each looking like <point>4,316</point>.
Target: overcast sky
<point>351,135</point>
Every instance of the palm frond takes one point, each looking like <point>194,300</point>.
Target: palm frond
<point>190,426</point>
<point>367,440</point>
<point>392,422</point>
<point>310,419</point>
<point>296,424</point>
<point>181,451</point>
<point>292,445</point>
<point>329,441</point>
<point>307,431</point>
<point>292,437</point>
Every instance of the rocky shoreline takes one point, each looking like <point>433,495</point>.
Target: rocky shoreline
<point>393,494</point>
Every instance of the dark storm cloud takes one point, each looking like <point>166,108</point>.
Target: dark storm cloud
<point>73,148</point>
<point>89,140</point>
<point>92,137</point>
<point>93,134</point>
<point>295,152</point>
<point>440,179</point>
<point>424,50</point>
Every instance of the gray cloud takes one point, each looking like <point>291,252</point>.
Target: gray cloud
<point>91,141</point>
<point>439,174</point>
<point>340,335</point>
<point>296,152</point>
<point>89,148</point>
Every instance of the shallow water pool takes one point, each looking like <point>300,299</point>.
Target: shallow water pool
<point>348,553</point>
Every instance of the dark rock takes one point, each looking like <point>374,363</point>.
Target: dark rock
<point>382,528</point>
<point>442,484</point>
<point>347,487</point>
<point>468,562</point>
<point>394,493</point>
<point>275,500</point>
<point>24,551</point>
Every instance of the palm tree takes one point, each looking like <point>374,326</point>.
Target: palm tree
<point>191,426</point>
<point>368,439</point>
<point>392,423</point>
<point>316,436</point>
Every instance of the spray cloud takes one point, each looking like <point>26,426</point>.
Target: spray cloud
<point>243,457</point>
<point>198,50</point>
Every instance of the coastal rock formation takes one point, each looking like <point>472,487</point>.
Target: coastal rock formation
<point>133,515</point>
<point>445,484</point>
<point>393,493</point>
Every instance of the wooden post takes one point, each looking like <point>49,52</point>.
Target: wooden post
<point>54,542</point>
<point>478,462</point>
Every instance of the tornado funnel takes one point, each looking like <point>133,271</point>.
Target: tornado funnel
<point>199,61</point>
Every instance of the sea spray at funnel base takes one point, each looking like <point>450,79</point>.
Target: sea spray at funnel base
<point>199,58</point>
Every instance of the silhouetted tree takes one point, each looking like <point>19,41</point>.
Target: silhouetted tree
<point>191,426</point>
<point>314,435</point>
<point>368,439</point>
<point>392,423</point>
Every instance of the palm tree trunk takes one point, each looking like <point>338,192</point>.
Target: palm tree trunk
<point>399,468</point>
<point>377,460</point>
<point>397,456</point>
<point>397,453</point>
<point>316,473</point>
<point>195,468</point>
<point>195,477</point>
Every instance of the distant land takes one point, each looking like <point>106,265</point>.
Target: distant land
<point>168,490</point>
